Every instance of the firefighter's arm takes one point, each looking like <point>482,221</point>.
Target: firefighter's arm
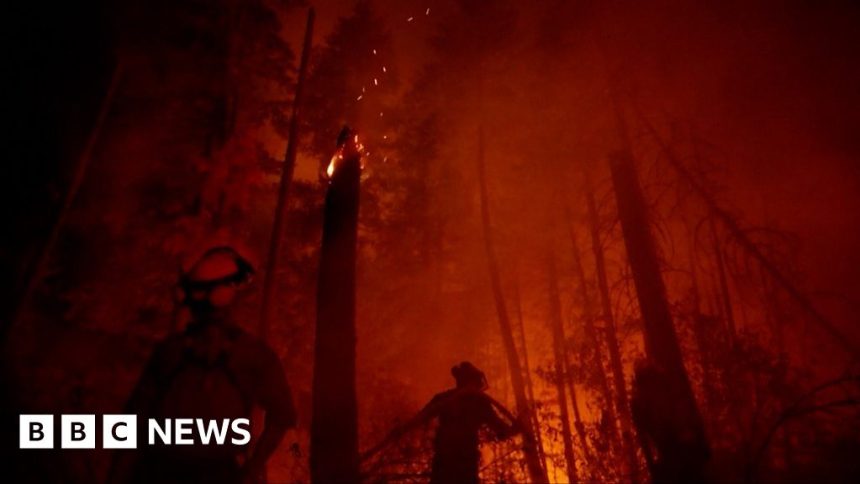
<point>426,414</point>
<point>497,425</point>
<point>430,411</point>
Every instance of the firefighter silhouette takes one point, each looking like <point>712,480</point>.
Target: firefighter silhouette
<point>211,370</point>
<point>461,412</point>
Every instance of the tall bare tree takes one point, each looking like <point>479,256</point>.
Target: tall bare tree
<point>536,472</point>
<point>661,340</point>
<point>560,367</point>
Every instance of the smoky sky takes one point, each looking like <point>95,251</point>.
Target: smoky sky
<point>775,85</point>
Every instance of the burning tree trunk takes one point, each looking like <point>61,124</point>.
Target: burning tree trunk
<point>535,469</point>
<point>558,344</point>
<point>661,341</point>
<point>622,406</point>
<point>334,426</point>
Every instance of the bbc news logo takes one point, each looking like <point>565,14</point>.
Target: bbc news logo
<point>120,431</point>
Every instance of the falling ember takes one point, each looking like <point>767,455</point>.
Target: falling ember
<point>359,98</point>
<point>409,19</point>
<point>374,51</point>
<point>375,82</point>
<point>427,12</point>
<point>362,88</point>
<point>380,114</point>
<point>383,69</point>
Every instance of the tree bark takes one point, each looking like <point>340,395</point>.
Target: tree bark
<point>334,425</point>
<point>533,465</point>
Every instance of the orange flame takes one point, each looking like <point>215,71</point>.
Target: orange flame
<point>349,148</point>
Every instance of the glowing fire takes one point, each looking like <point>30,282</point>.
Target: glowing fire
<point>352,147</point>
<point>331,164</point>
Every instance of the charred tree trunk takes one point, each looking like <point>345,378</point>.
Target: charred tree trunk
<point>535,469</point>
<point>661,341</point>
<point>334,425</point>
<point>280,223</point>
<point>528,376</point>
<point>622,405</point>
<point>560,367</point>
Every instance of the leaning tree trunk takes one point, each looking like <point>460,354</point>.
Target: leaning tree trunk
<point>280,223</point>
<point>535,469</point>
<point>334,424</point>
<point>622,405</point>
<point>527,373</point>
<point>558,346</point>
<point>661,341</point>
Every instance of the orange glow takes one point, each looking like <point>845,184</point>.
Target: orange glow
<point>349,148</point>
<point>329,171</point>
